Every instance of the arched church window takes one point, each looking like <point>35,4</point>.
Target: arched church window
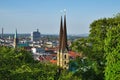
<point>65,62</point>
<point>65,56</point>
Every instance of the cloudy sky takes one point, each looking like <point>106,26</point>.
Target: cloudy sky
<point>29,15</point>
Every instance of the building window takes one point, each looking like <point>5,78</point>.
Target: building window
<point>65,56</point>
<point>65,62</point>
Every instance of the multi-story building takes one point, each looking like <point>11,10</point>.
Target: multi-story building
<point>35,36</point>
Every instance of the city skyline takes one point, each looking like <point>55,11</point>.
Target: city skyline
<point>28,15</point>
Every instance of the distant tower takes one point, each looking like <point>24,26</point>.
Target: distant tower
<point>15,40</point>
<point>2,33</point>
<point>62,55</point>
<point>35,36</point>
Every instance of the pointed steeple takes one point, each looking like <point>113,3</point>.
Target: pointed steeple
<point>15,36</point>
<point>65,29</point>
<point>62,55</point>
<point>64,40</point>
<point>15,39</point>
<point>60,35</point>
<point>2,33</point>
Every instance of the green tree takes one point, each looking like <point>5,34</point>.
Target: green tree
<point>112,48</point>
<point>98,33</point>
<point>93,46</point>
<point>19,65</point>
<point>82,46</point>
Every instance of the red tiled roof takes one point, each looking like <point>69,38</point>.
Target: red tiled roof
<point>41,58</point>
<point>53,61</point>
<point>51,48</point>
<point>73,54</point>
<point>50,57</point>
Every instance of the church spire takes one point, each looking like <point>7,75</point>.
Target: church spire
<point>15,39</point>
<point>2,32</point>
<point>15,36</point>
<point>60,35</point>
<point>64,40</point>
<point>62,55</point>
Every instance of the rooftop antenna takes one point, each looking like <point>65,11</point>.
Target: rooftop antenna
<point>37,30</point>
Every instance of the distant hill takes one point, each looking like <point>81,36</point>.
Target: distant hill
<point>80,35</point>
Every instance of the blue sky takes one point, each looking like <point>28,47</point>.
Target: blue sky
<point>28,15</point>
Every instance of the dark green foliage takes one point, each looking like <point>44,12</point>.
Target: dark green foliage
<point>19,65</point>
<point>86,69</point>
<point>82,45</point>
<point>94,69</point>
<point>112,48</point>
<point>96,48</point>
